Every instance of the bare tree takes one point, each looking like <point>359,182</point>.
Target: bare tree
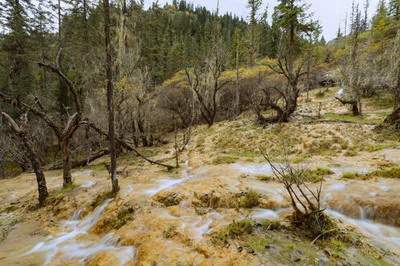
<point>21,132</point>
<point>110,96</point>
<point>182,142</point>
<point>394,117</point>
<point>205,79</point>
<point>64,129</point>
<point>350,67</point>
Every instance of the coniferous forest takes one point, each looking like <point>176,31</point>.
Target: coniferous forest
<point>176,134</point>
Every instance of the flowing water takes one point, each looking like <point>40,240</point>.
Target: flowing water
<point>388,236</point>
<point>75,242</point>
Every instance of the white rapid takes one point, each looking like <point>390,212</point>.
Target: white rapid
<point>262,214</point>
<point>71,243</point>
<point>167,183</point>
<point>389,236</point>
<point>253,169</point>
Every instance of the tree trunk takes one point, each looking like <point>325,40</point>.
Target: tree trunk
<point>40,178</point>
<point>110,100</point>
<point>37,168</point>
<point>2,170</point>
<point>67,177</point>
<point>355,109</point>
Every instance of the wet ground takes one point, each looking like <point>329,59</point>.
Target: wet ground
<point>180,232</point>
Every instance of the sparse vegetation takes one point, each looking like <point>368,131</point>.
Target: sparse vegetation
<point>233,231</point>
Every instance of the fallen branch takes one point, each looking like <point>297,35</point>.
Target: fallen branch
<point>81,163</point>
<point>129,147</point>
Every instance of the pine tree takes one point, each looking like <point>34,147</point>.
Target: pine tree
<point>339,33</point>
<point>254,6</point>
<point>16,44</point>
<point>394,9</point>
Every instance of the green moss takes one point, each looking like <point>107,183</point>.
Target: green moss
<point>272,225</point>
<point>265,178</point>
<point>320,94</point>
<point>225,159</point>
<point>170,232</point>
<point>317,175</point>
<point>388,172</point>
<point>351,153</point>
<point>249,199</point>
<point>258,243</point>
<point>125,214</point>
<point>233,231</point>
<point>352,175</point>
<point>385,172</point>
<point>58,195</point>
<point>100,198</point>
<point>343,117</point>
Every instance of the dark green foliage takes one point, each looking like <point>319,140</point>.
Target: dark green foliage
<point>15,44</point>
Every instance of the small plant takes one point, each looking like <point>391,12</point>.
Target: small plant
<point>227,159</point>
<point>272,225</point>
<point>317,175</point>
<point>320,94</point>
<point>125,214</point>
<point>305,201</point>
<point>233,231</point>
<point>265,178</point>
<point>351,175</point>
<point>101,198</point>
<point>170,232</point>
<point>249,199</point>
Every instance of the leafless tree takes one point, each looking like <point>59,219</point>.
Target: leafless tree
<point>110,96</point>
<point>23,135</point>
<point>394,80</point>
<point>64,129</point>
<point>205,79</point>
<point>350,68</point>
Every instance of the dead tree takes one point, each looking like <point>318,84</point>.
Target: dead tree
<point>350,71</point>
<point>63,132</point>
<point>394,117</point>
<point>182,142</point>
<point>110,96</point>
<point>21,132</point>
<point>205,81</point>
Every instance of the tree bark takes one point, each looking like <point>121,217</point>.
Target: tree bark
<point>110,95</point>
<point>67,176</point>
<point>37,168</point>
<point>33,157</point>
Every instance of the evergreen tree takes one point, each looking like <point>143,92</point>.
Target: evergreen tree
<point>15,45</point>
<point>394,9</point>
<point>254,6</point>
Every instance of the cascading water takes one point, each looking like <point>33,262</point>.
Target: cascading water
<point>384,234</point>
<point>71,244</point>
<point>167,183</point>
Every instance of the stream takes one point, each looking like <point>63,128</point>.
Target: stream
<point>74,242</point>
